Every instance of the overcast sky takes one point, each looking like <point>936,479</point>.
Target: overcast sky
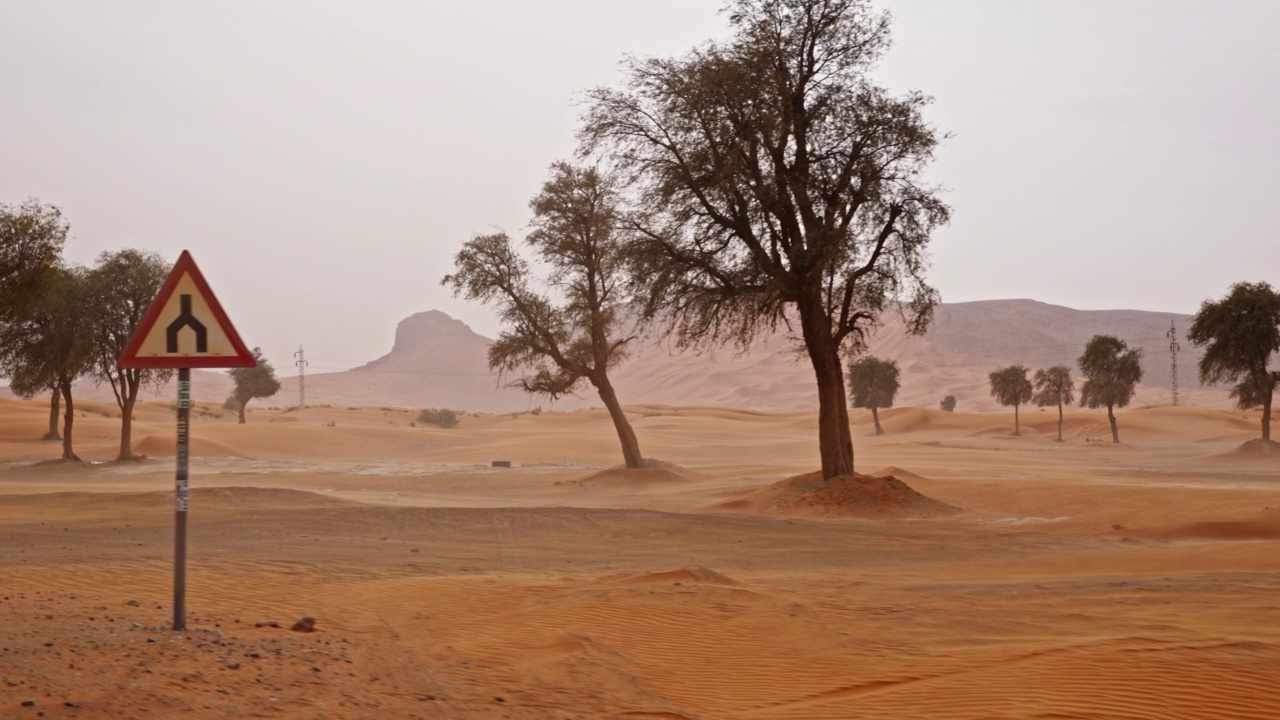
<point>323,161</point>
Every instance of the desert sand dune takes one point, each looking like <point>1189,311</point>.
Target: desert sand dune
<point>1025,578</point>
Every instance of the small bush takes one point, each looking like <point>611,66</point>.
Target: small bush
<point>948,403</point>
<point>444,417</point>
<point>231,403</point>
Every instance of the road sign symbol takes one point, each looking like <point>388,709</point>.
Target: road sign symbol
<point>185,327</point>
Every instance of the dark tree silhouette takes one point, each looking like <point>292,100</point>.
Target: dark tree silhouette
<point>258,381</point>
<point>122,286</point>
<point>948,403</point>
<point>1240,333</point>
<point>776,182</point>
<point>1055,386</point>
<point>873,384</point>
<point>1010,386</point>
<point>559,345</point>
<point>1112,370</point>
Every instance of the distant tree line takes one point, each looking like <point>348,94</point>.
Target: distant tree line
<point>60,322</point>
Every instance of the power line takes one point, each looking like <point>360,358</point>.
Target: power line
<point>1173,359</point>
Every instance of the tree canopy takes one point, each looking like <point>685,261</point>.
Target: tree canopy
<point>1010,386</point>
<point>1240,333</point>
<point>775,181</point>
<point>258,381</point>
<point>31,239</point>
<point>873,384</point>
<point>1112,371</point>
<point>558,344</point>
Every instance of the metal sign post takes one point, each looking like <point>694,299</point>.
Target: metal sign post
<point>180,502</point>
<point>184,328</point>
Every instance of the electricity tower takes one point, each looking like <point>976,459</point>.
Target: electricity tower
<point>301,362</point>
<point>1174,347</point>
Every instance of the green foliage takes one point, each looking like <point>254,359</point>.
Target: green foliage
<point>258,381</point>
<point>50,345</point>
<point>31,238</point>
<point>1239,334</point>
<point>1010,386</point>
<point>444,417</point>
<point>1112,371</point>
<point>873,383</point>
<point>231,403</point>
<point>1054,386</point>
<point>948,403</point>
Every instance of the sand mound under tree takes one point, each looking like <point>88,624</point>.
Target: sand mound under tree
<point>653,472</point>
<point>857,495</point>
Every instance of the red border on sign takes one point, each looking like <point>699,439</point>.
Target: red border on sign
<point>185,266</point>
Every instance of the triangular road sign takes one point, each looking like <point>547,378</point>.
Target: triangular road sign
<point>185,327</point>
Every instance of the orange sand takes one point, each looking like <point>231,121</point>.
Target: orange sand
<point>1073,580</point>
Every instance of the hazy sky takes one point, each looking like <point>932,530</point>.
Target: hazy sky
<point>323,161</point>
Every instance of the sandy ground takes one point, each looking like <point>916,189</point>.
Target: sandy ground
<point>1066,580</point>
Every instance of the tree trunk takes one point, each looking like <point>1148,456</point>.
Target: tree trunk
<point>126,428</point>
<point>130,381</point>
<point>1059,422</point>
<point>876,416</point>
<point>55,402</point>
<point>1115,432</point>
<point>835,440</point>
<point>68,419</point>
<point>242,411</point>
<point>626,435</point>
<point>1266,414</point>
<point>1017,429</point>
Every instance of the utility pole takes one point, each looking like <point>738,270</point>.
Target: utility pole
<point>1174,347</point>
<point>301,362</point>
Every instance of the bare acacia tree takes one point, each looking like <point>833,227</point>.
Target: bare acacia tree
<point>775,181</point>
<point>558,344</point>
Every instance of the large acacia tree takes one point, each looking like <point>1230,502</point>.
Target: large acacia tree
<point>1240,333</point>
<point>873,384</point>
<point>123,285</point>
<point>1112,370</point>
<point>1010,386</point>
<point>777,183</point>
<point>558,344</point>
